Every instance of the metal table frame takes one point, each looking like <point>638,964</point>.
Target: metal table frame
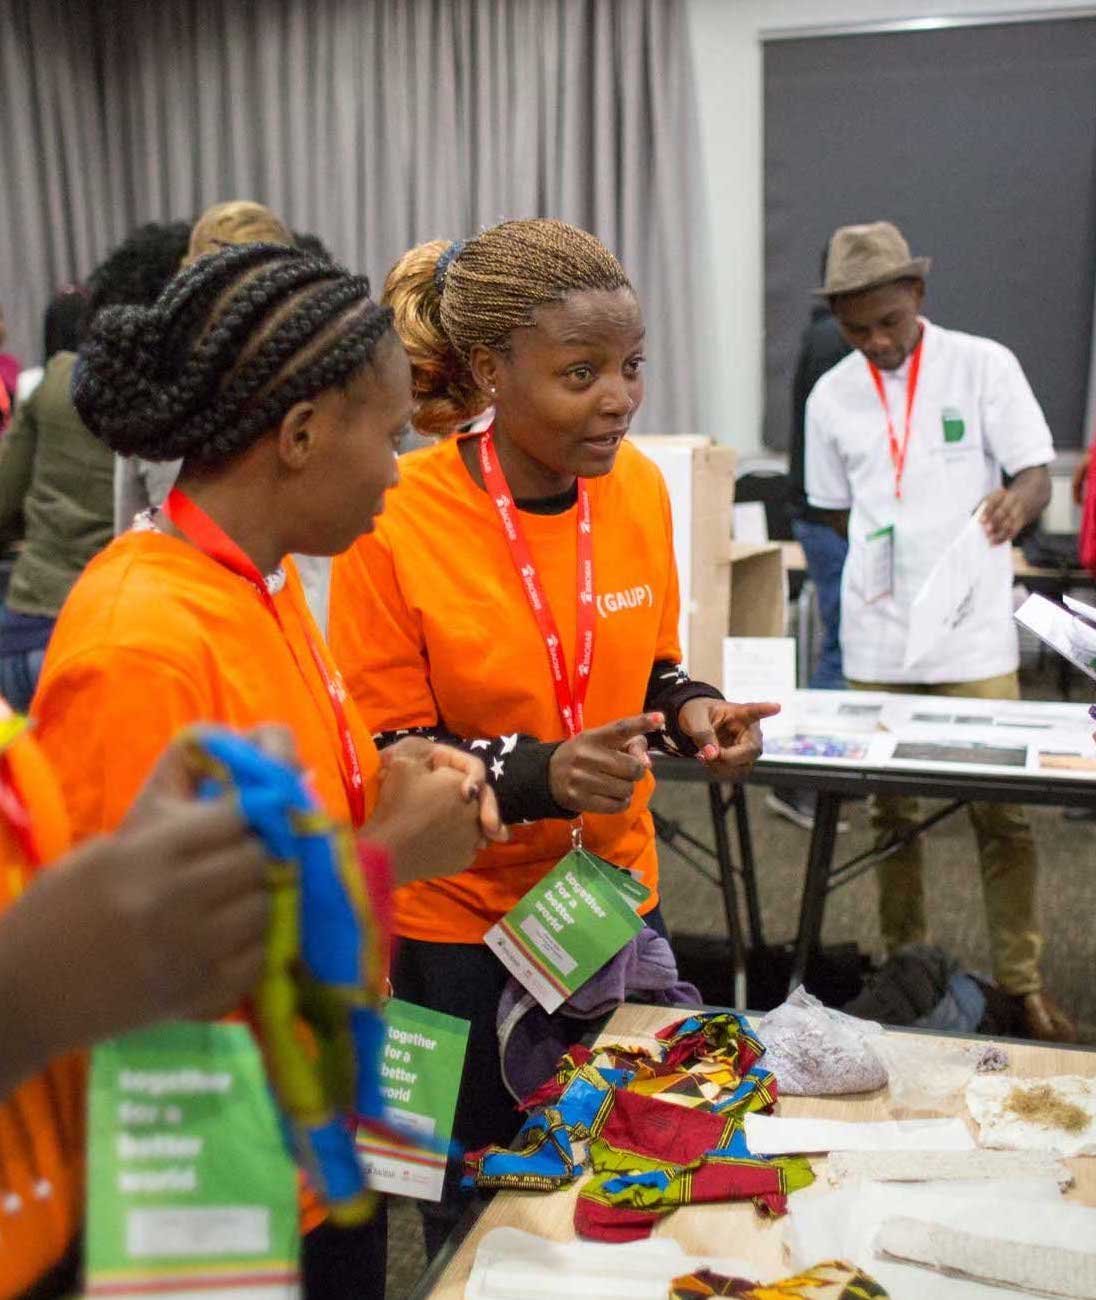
<point>722,800</point>
<point>832,784</point>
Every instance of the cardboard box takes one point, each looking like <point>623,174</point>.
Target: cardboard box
<point>700,479</point>
<point>758,590</point>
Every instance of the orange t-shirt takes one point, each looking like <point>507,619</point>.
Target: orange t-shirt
<point>42,1121</point>
<point>430,624</point>
<point>155,636</point>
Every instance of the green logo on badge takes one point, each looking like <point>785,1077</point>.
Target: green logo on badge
<point>954,428</point>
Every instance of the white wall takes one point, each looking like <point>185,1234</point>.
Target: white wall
<point>726,45</point>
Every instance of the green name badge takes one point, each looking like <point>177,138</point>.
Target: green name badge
<point>954,428</point>
<point>190,1187</point>
<point>421,1066</point>
<point>568,926</point>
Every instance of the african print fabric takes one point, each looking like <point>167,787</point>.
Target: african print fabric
<point>830,1281</point>
<point>656,1129</point>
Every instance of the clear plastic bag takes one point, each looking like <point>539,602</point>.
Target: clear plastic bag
<point>815,1051</point>
<point>926,1077</point>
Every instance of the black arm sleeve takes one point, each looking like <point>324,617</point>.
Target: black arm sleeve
<point>517,769</point>
<point>668,688</point>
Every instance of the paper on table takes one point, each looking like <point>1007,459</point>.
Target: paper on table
<point>1069,633</point>
<point>758,668</point>
<point>515,1265</point>
<point>750,522</point>
<point>947,598</point>
<point>1002,1129</point>
<point>844,1225</point>
<point>1079,607</point>
<point>770,1135</point>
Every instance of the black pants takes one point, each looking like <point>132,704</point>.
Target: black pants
<point>466,980</point>
<point>346,1263</point>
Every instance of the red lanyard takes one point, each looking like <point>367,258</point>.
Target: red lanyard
<point>5,404</point>
<point>570,697</point>
<point>898,453</point>
<point>14,811</point>
<point>201,531</point>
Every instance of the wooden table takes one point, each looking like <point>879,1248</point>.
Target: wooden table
<point>733,1229</point>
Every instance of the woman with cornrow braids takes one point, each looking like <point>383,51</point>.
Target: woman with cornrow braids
<point>283,389</point>
<point>461,615</point>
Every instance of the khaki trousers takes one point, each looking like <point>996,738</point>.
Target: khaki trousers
<point>1006,854</point>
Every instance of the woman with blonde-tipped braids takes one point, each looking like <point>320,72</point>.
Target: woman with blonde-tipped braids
<point>462,616</point>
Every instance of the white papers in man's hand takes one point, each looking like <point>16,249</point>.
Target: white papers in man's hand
<point>947,599</point>
<point>1068,631</point>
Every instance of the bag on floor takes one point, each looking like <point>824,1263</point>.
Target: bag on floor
<point>924,987</point>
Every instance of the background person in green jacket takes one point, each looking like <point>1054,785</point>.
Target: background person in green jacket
<point>56,480</point>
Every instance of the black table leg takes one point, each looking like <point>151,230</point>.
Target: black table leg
<point>815,887</point>
<point>730,893</point>
<point>749,867</point>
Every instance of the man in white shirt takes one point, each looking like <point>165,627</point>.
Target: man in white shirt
<point>906,438</point>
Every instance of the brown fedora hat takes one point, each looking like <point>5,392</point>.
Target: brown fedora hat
<point>863,257</point>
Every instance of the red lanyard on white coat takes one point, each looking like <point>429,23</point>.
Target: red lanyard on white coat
<point>898,453</point>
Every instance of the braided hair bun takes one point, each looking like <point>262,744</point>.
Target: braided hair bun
<point>233,342</point>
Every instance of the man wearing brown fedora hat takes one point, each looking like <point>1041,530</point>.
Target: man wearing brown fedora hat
<point>906,438</point>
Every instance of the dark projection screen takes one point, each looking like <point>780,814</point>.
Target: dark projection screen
<point>980,143</point>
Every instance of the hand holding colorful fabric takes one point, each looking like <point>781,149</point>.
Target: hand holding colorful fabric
<point>727,736</point>
<point>326,966</point>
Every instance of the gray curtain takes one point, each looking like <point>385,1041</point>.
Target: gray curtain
<point>980,142</point>
<point>373,123</point>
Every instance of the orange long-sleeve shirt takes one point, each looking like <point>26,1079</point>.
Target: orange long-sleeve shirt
<point>429,623</point>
